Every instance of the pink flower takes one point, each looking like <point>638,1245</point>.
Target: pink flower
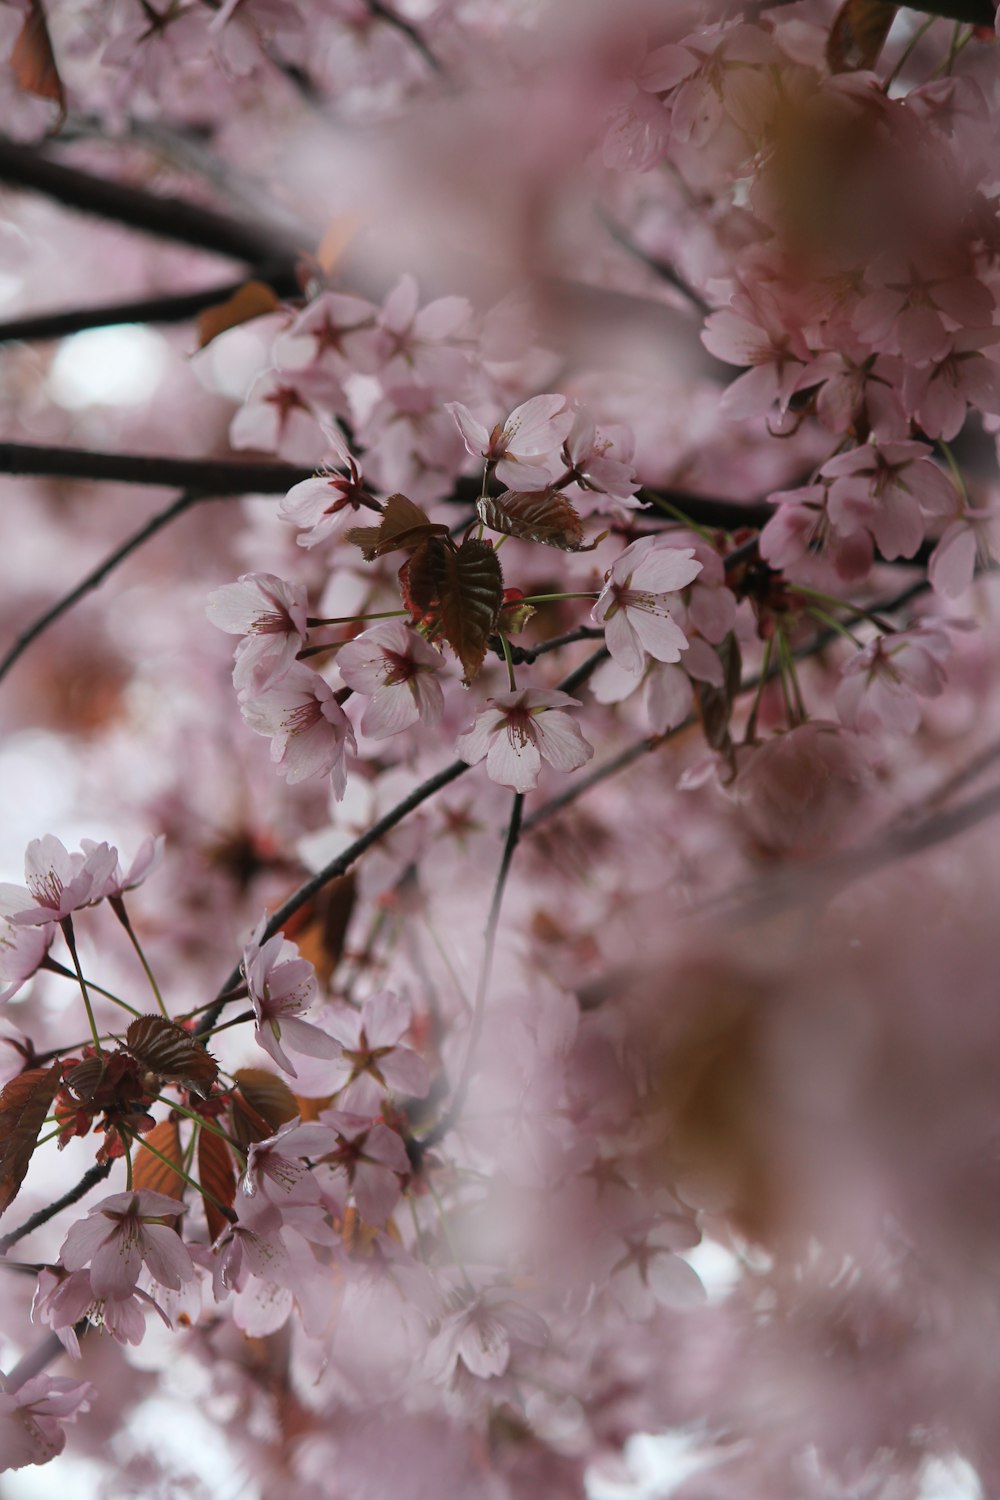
<point>327,505</point>
<point>310,733</point>
<point>62,1300</point>
<point>22,948</point>
<point>518,447</point>
<point>121,1234</point>
<point>880,685</point>
<point>413,343</point>
<point>397,667</point>
<point>147,858</point>
<point>483,1334</point>
<point>281,986</point>
<point>277,1167</point>
<point>516,731</point>
<point>650,1273</point>
<point>58,882</point>
<point>886,489</point>
<point>370,1055</point>
<point>271,614</point>
<point>324,333</point>
<point>938,394</point>
<point>31,1418</point>
<point>633,604</point>
<point>974,536</point>
<point>277,418</point>
<point>803,792</point>
<point>368,1161</point>
<point>601,458</point>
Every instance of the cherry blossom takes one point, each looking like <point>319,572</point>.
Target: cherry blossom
<point>880,685</point>
<point>482,1333</point>
<point>31,1418</point>
<point>277,1168</point>
<point>310,733</point>
<point>516,731</point>
<point>519,446</point>
<point>887,489</point>
<point>328,505</point>
<point>271,614</point>
<point>399,671</point>
<point>367,1162</point>
<point>59,883</point>
<point>633,603</point>
<point>120,1235</point>
<point>281,985</point>
<point>371,1056</point>
<point>975,535</point>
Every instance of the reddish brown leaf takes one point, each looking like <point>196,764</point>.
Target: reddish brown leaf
<point>456,592</point>
<point>33,61</point>
<point>403,525</point>
<point>858,34</point>
<point>217,1175</point>
<point>172,1053</point>
<point>543,516</point>
<point>24,1103</point>
<point>148,1171</point>
<point>262,1103</point>
<point>252,300</point>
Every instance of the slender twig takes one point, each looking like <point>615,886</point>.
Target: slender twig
<point>454,1111</point>
<point>372,835</point>
<point>89,1180</point>
<point>94,578</point>
<point>663,269</point>
<point>384,13</point>
<point>157,214</point>
<point>34,1362</point>
<point>171,307</point>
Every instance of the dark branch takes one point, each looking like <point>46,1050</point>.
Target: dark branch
<point>175,307</point>
<point>89,1180</point>
<point>217,476</point>
<point>353,852</point>
<point>95,577</point>
<point>167,217</point>
<point>666,272</point>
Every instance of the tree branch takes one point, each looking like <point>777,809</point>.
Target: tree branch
<point>372,835</point>
<point>176,307</point>
<point>216,476</point>
<point>89,1180</point>
<point>97,576</point>
<point>391,18</point>
<point>162,215</point>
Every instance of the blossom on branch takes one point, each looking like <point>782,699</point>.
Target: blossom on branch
<point>310,733</point>
<point>633,606</point>
<point>399,670</point>
<point>516,731</point>
<point>120,1235</point>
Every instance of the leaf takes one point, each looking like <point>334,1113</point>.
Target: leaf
<point>262,1104</point>
<point>543,516</point>
<point>456,592</point>
<point>858,34</point>
<point>251,300</point>
<point>217,1175</point>
<point>33,61</point>
<point>402,525</point>
<point>320,927</point>
<point>24,1104</point>
<point>148,1171</point>
<point>171,1052</point>
<point>715,704</point>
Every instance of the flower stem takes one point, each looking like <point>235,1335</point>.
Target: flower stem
<point>660,502</point>
<point>55,967</point>
<point>552,598</point>
<point>750,733</point>
<point>505,643</point>
<point>118,907</point>
<point>67,927</point>
<point>385,614</point>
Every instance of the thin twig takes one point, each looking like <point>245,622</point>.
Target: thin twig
<point>662,269</point>
<point>454,1111</point>
<point>391,18</point>
<point>96,577</point>
<point>89,1180</point>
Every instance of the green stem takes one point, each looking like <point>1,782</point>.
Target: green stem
<point>186,1177</point>
<point>128,1168</point>
<point>660,502</point>
<point>385,614</point>
<point>854,609</point>
<point>118,907</point>
<point>55,967</point>
<point>832,623</point>
<point>907,53</point>
<point>205,1124</point>
<point>66,924</point>
<point>751,730</point>
<point>553,598</point>
<point>956,472</point>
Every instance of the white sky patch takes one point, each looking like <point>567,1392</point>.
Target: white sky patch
<point>117,366</point>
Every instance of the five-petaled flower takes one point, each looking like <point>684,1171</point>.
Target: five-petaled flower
<point>281,985</point>
<point>120,1235</point>
<point>518,447</point>
<point>310,733</point>
<point>516,731</point>
<point>399,670</point>
<point>633,603</point>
